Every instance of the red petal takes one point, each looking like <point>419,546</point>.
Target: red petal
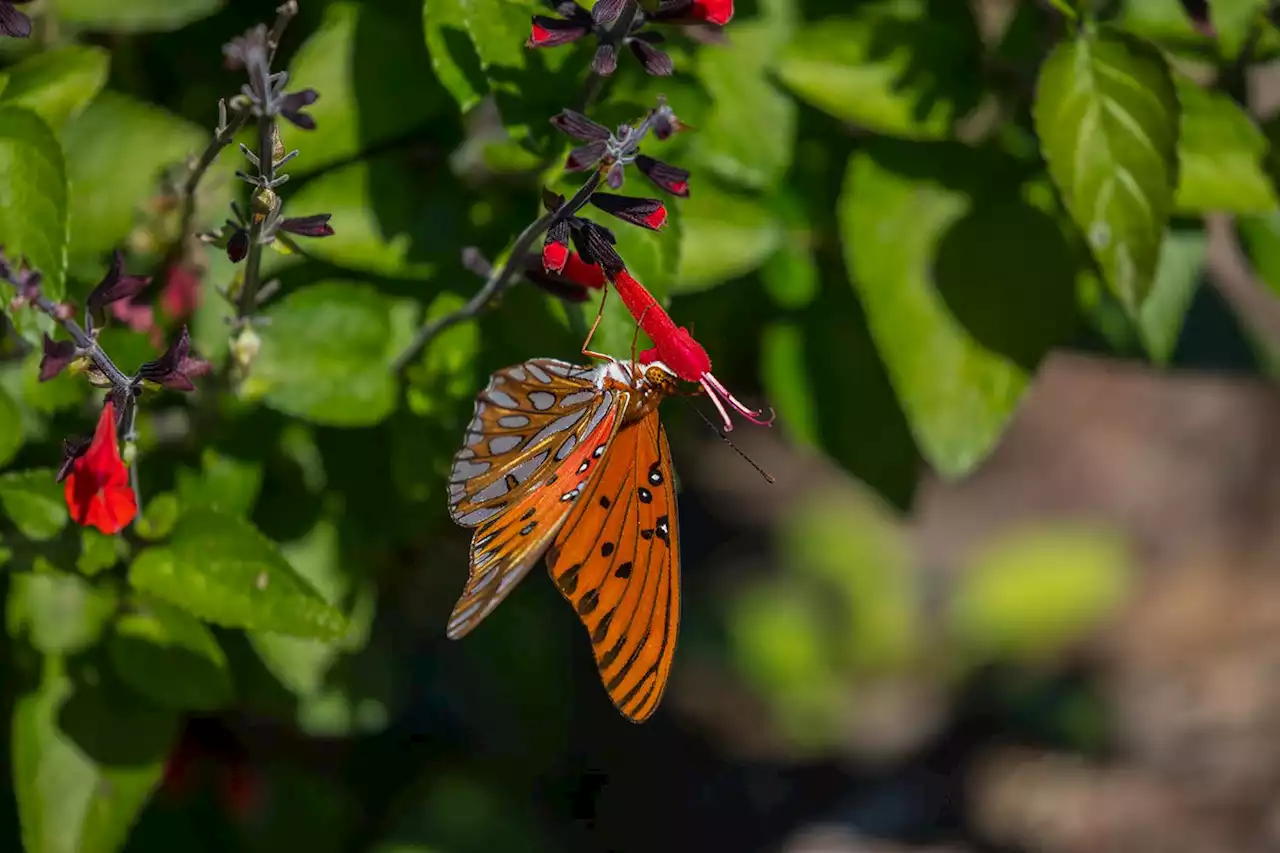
<point>656,219</point>
<point>554,257</point>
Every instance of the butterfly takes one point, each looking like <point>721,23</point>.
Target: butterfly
<point>572,463</point>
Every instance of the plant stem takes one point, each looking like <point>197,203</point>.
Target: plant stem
<point>266,174</point>
<point>86,344</point>
<point>500,278</point>
<point>222,137</point>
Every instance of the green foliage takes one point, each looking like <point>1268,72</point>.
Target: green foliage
<point>33,201</point>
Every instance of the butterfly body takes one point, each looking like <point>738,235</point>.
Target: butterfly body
<point>572,463</point>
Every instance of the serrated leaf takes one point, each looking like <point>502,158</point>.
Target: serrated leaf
<point>85,761</point>
<point>928,261</point>
<point>1107,116</point>
<point>136,15</point>
<point>57,612</point>
<point>326,355</point>
<point>1221,155</point>
<point>224,571</point>
<point>171,658</point>
<point>349,59</point>
<point>34,501</point>
<point>897,68</point>
<point>58,84</point>
<point>33,205</point>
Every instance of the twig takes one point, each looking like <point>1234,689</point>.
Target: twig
<point>222,137</point>
<point>501,277</point>
<point>86,343</point>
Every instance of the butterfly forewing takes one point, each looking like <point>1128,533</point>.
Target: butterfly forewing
<point>526,422</point>
<point>511,537</point>
<point>617,561</point>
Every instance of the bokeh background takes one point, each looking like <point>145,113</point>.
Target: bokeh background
<point>1014,589</point>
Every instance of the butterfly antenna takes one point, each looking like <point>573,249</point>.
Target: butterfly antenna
<point>736,449</point>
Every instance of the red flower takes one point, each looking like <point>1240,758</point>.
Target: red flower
<point>713,11</point>
<point>98,493</point>
<point>677,349</point>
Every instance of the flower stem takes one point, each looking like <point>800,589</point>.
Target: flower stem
<point>500,278</point>
<point>85,343</point>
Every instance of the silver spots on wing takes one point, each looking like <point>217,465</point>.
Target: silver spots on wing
<point>466,453</point>
<point>528,528</point>
<point>503,399</point>
<point>485,579</point>
<point>537,372</point>
<point>577,398</point>
<point>517,373</point>
<point>463,469</point>
<point>496,489</point>
<point>598,452</point>
<point>602,409</point>
<point>542,400</point>
<point>571,495</point>
<point>563,424</point>
<point>504,443</point>
<point>526,469</point>
<point>513,421</point>
<point>655,474</point>
<point>586,463</point>
<point>479,516</point>
<point>566,447</point>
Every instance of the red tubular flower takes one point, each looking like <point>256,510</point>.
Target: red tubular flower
<point>677,349</point>
<point>97,490</point>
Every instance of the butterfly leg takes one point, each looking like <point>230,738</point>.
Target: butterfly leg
<point>604,294</point>
<point>635,339</point>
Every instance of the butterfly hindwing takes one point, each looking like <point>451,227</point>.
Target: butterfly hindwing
<point>506,545</point>
<point>617,561</point>
<point>527,420</point>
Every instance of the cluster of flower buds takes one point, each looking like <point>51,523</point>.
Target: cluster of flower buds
<point>595,261</point>
<point>98,492</point>
<point>602,22</point>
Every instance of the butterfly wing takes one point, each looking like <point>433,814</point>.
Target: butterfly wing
<point>517,530</point>
<point>527,420</point>
<point>617,561</point>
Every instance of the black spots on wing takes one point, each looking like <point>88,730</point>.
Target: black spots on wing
<point>655,474</point>
<point>646,534</point>
<point>528,528</point>
<point>529,513</point>
<point>663,530</point>
<point>604,502</point>
<point>552,479</point>
<point>589,602</point>
<point>646,496</point>
<point>623,571</point>
<point>606,549</point>
<point>568,580</point>
<point>602,630</point>
<point>607,659</point>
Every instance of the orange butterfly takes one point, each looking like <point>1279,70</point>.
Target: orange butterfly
<point>573,462</point>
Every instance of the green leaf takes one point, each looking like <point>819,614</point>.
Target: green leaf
<point>749,137</point>
<point>1182,258</point>
<point>470,39</point>
<point>157,519</point>
<point>389,227</point>
<point>98,552</point>
<point>1107,115</point>
<point>11,436</point>
<point>116,151</point>
<point>136,15</point>
<point>225,484</point>
<point>33,203</point>
<point>326,355</point>
<point>224,571</point>
<point>58,84</point>
<point>1031,593</point>
<point>85,761</point>
<point>349,60</point>
<point>897,68</point>
<point>33,500</point>
<point>1221,156</point>
<point>171,658</point>
<point>446,373</point>
<point>58,612</point>
<point>962,297</point>
<point>791,275</point>
<point>724,236</point>
<point>1233,20</point>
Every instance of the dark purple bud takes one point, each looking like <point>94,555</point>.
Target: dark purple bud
<point>316,225</point>
<point>645,212</point>
<point>586,156</point>
<point>664,121</point>
<point>114,287</point>
<point>607,11</point>
<point>615,176</point>
<point>655,62</point>
<point>595,245</point>
<point>291,106</point>
<point>57,355</point>
<point>553,32</point>
<point>667,177</point>
<point>238,245</point>
<point>29,284</point>
<point>247,50</point>
<point>552,201</point>
<point>175,368</point>
<point>570,10</point>
<point>605,61</point>
<point>579,126</point>
<point>72,449</point>
<point>12,22</point>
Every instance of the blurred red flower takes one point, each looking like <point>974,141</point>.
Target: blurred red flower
<point>97,490</point>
